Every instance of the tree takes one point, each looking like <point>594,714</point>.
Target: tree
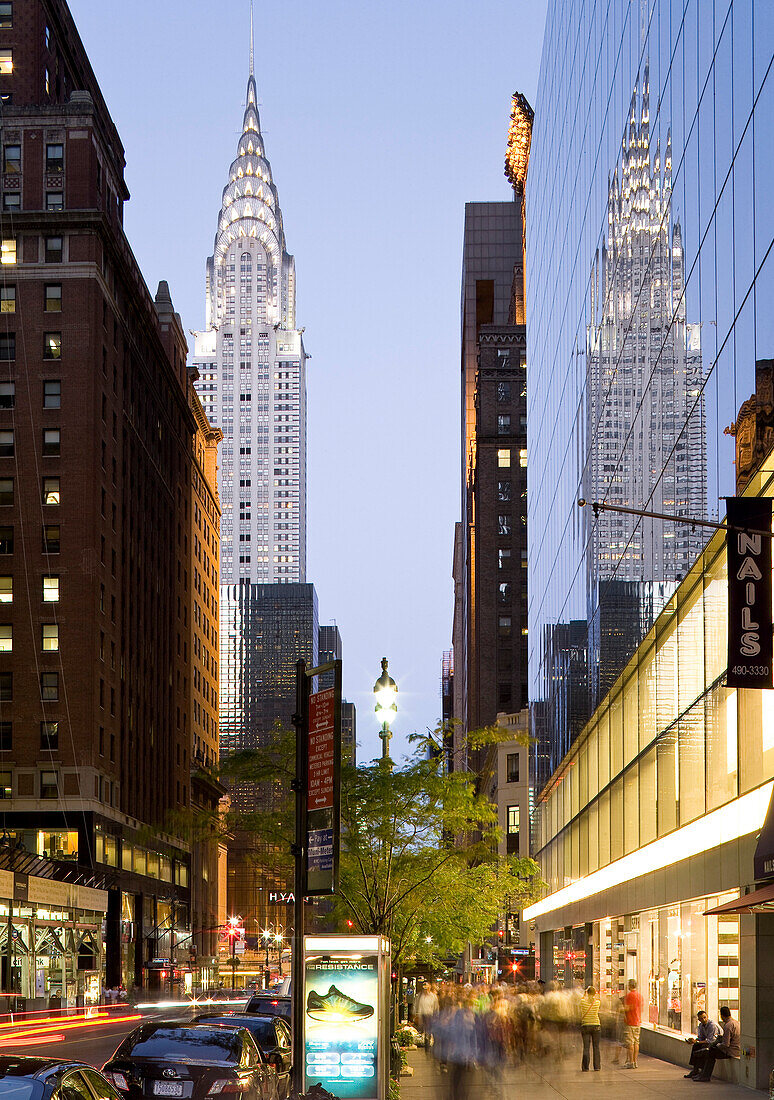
<point>418,854</point>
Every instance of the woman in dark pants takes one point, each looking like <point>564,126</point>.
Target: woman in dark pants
<point>589,1021</point>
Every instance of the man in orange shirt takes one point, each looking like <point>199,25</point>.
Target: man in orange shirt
<point>632,1004</point>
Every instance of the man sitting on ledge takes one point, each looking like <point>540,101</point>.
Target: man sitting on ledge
<point>707,1034</point>
<point>728,1046</point>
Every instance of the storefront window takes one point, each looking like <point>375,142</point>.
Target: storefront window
<point>111,850</point>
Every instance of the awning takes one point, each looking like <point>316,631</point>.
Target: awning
<point>759,901</point>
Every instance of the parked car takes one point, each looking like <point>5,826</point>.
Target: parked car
<point>271,1004</point>
<point>191,1061</point>
<point>24,1078</point>
<point>272,1037</point>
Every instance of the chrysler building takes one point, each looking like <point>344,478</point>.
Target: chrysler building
<point>252,372</point>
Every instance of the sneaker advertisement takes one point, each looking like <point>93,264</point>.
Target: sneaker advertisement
<point>341,999</point>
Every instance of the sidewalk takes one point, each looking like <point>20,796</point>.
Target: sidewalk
<point>551,1078</point>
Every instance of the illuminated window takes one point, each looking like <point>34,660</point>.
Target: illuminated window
<point>7,299</point>
<point>51,490</point>
<point>6,15</point>
<point>512,830</point>
<point>6,491</point>
<point>49,736</point>
<point>7,347</point>
<point>49,687</point>
<point>6,638</point>
<point>51,590</point>
<point>50,637</point>
<point>6,62</point>
<point>48,786</point>
<point>5,777</point>
<point>504,457</point>
<point>52,394</point>
<point>54,158</point>
<point>7,395</point>
<point>53,299</point>
<point>52,345</point>
<point>6,589</point>
<point>523,456</point>
<point>51,441</point>
<point>8,251</point>
<point>58,845</point>
<point>12,159</point>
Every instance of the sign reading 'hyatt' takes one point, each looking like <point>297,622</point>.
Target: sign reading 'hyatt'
<point>750,662</point>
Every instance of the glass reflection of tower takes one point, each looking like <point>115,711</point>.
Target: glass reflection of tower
<point>646,433</point>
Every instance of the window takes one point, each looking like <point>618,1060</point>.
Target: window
<point>6,62</point>
<point>523,457</point>
<point>504,592</point>
<point>53,299</point>
<point>7,395</point>
<point>504,525</point>
<point>5,777</point>
<point>53,250</point>
<point>6,15</point>
<point>54,158</point>
<point>6,638</point>
<point>49,736</point>
<point>6,491</point>
<point>504,491</point>
<point>8,251</point>
<point>6,736</point>
<point>50,637</point>
<point>12,200</point>
<point>51,441</point>
<point>49,687</point>
<point>6,540</point>
<point>48,788</point>
<point>504,457</point>
<point>504,626</point>
<point>50,589</point>
<point>6,687</point>
<point>503,391</point>
<point>51,490</point>
<point>6,589</point>
<point>7,299</point>
<point>52,394</point>
<point>503,424</point>
<point>512,767</point>
<point>52,345</point>
<point>54,200</point>
<point>6,443</point>
<point>7,347</point>
<point>512,831</point>
<point>503,558</point>
<point>51,538</point>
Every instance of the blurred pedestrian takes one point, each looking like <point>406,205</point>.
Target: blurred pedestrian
<point>589,1025</point>
<point>632,1004</point>
<point>425,1011</point>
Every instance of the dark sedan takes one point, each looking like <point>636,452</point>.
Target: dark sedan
<point>190,1062</point>
<point>52,1079</point>
<point>272,1037</point>
<point>271,1004</point>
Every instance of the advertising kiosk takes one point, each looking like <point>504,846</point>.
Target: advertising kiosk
<point>346,1040</point>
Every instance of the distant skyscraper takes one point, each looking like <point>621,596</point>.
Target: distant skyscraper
<point>330,650</point>
<point>252,367</point>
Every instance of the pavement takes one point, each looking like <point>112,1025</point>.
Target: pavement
<point>554,1077</point>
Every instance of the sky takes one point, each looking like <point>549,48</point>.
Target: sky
<point>380,121</point>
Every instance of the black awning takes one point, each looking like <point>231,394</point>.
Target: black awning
<point>763,863</point>
<point>759,901</point>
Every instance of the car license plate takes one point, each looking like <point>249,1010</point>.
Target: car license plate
<point>167,1088</point>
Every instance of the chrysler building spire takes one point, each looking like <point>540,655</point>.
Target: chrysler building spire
<point>252,52</point>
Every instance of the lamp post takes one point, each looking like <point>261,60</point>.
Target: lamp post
<point>266,937</point>
<point>278,941</point>
<point>386,692</point>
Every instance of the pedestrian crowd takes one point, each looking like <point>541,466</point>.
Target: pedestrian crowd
<point>479,1030</point>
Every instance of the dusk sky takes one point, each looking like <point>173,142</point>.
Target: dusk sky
<point>380,121</point>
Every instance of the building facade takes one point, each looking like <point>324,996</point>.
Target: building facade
<point>330,650</point>
<point>647,265</point>
<point>649,833</point>
<point>98,453</point>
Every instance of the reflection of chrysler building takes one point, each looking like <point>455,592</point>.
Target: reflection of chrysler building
<point>646,445</point>
<point>252,376</point>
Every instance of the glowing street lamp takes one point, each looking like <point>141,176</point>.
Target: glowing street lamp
<point>386,692</point>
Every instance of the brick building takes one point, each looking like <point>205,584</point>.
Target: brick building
<point>98,476</point>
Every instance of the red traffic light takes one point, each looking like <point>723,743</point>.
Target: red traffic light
<point>350,924</point>
<point>501,933</point>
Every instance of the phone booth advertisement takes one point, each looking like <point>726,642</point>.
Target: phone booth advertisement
<point>346,1015</point>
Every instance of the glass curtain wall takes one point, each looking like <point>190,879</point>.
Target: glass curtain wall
<point>650,274</point>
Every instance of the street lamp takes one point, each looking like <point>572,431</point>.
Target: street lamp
<point>266,937</point>
<point>386,692</point>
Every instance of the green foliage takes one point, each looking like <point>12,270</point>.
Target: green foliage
<point>418,853</point>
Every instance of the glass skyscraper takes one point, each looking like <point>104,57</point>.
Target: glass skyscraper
<point>650,284</point>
